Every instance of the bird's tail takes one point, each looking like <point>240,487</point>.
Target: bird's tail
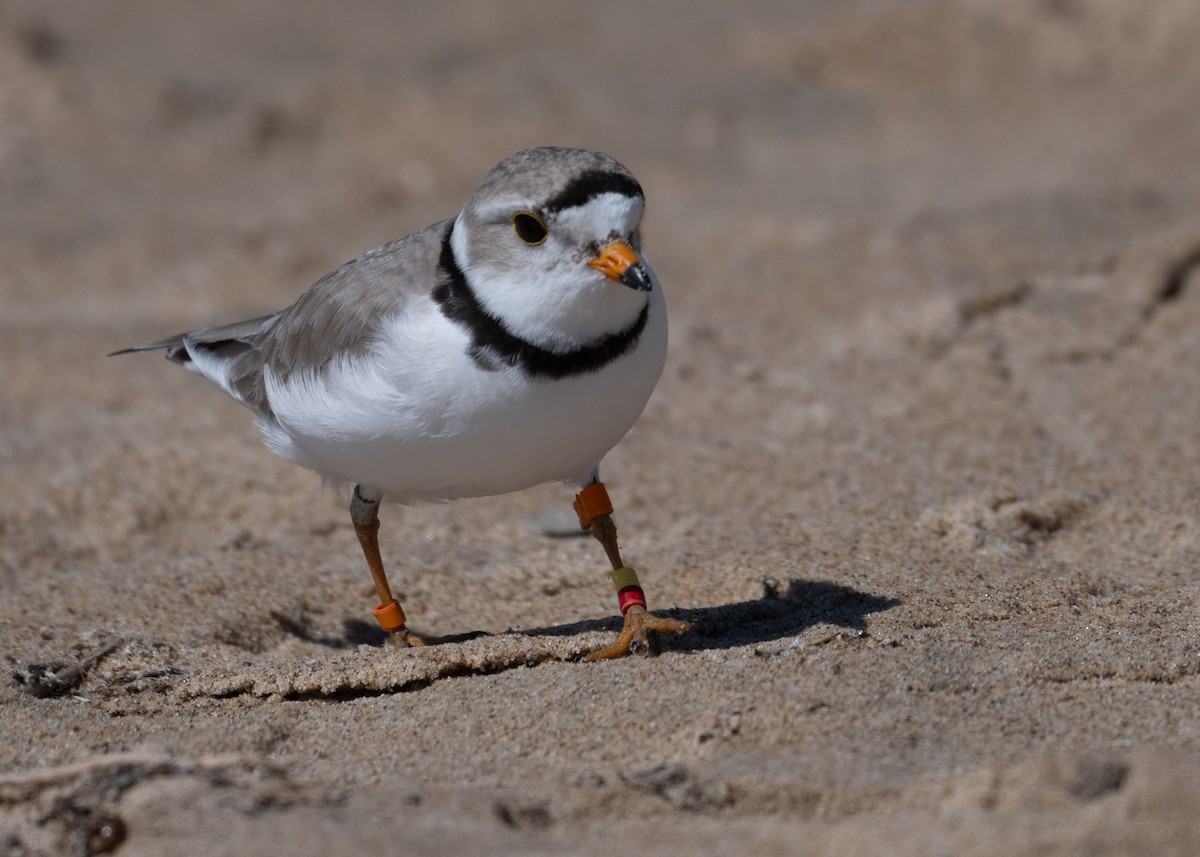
<point>226,355</point>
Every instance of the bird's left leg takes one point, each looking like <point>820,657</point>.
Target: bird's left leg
<point>595,514</point>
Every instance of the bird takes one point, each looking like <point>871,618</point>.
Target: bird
<point>509,346</point>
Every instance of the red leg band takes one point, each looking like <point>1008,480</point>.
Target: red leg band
<point>629,596</point>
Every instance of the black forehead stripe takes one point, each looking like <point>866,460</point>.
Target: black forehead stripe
<point>591,184</point>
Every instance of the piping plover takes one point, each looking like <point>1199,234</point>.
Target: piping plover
<point>509,346</point>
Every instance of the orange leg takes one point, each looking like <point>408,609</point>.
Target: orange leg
<point>595,514</point>
<point>364,513</point>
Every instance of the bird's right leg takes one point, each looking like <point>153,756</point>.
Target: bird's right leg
<point>364,513</point>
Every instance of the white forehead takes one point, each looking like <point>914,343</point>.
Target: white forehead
<point>502,208</point>
<point>601,215</point>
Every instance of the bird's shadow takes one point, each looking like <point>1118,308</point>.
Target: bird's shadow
<point>781,611</point>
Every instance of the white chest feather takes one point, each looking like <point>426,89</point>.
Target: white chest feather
<point>418,418</point>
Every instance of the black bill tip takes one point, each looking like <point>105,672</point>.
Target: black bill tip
<point>635,277</point>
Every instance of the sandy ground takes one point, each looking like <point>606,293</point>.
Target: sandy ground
<point>924,466</point>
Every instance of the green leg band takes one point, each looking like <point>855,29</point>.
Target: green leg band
<point>623,577</point>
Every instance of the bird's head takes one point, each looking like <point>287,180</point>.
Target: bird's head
<point>549,242</point>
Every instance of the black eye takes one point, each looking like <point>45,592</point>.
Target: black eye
<point>529,227</point>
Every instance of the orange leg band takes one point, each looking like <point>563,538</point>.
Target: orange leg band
<point>390,616</point>
<point>591,503</point>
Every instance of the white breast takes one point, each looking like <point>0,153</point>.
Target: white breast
<point>419,419</point>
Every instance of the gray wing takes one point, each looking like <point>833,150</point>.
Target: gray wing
<point>338,315</point>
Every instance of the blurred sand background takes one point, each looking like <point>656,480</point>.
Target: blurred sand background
<point>923,468</point>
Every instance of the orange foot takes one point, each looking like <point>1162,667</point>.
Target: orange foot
<point>633,638</point>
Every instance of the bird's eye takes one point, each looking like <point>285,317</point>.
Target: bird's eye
<point>529,228</point>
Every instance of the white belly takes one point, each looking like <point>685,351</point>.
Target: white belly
<point>419,420</point>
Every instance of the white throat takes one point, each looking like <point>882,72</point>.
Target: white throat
<point>558,302</point>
